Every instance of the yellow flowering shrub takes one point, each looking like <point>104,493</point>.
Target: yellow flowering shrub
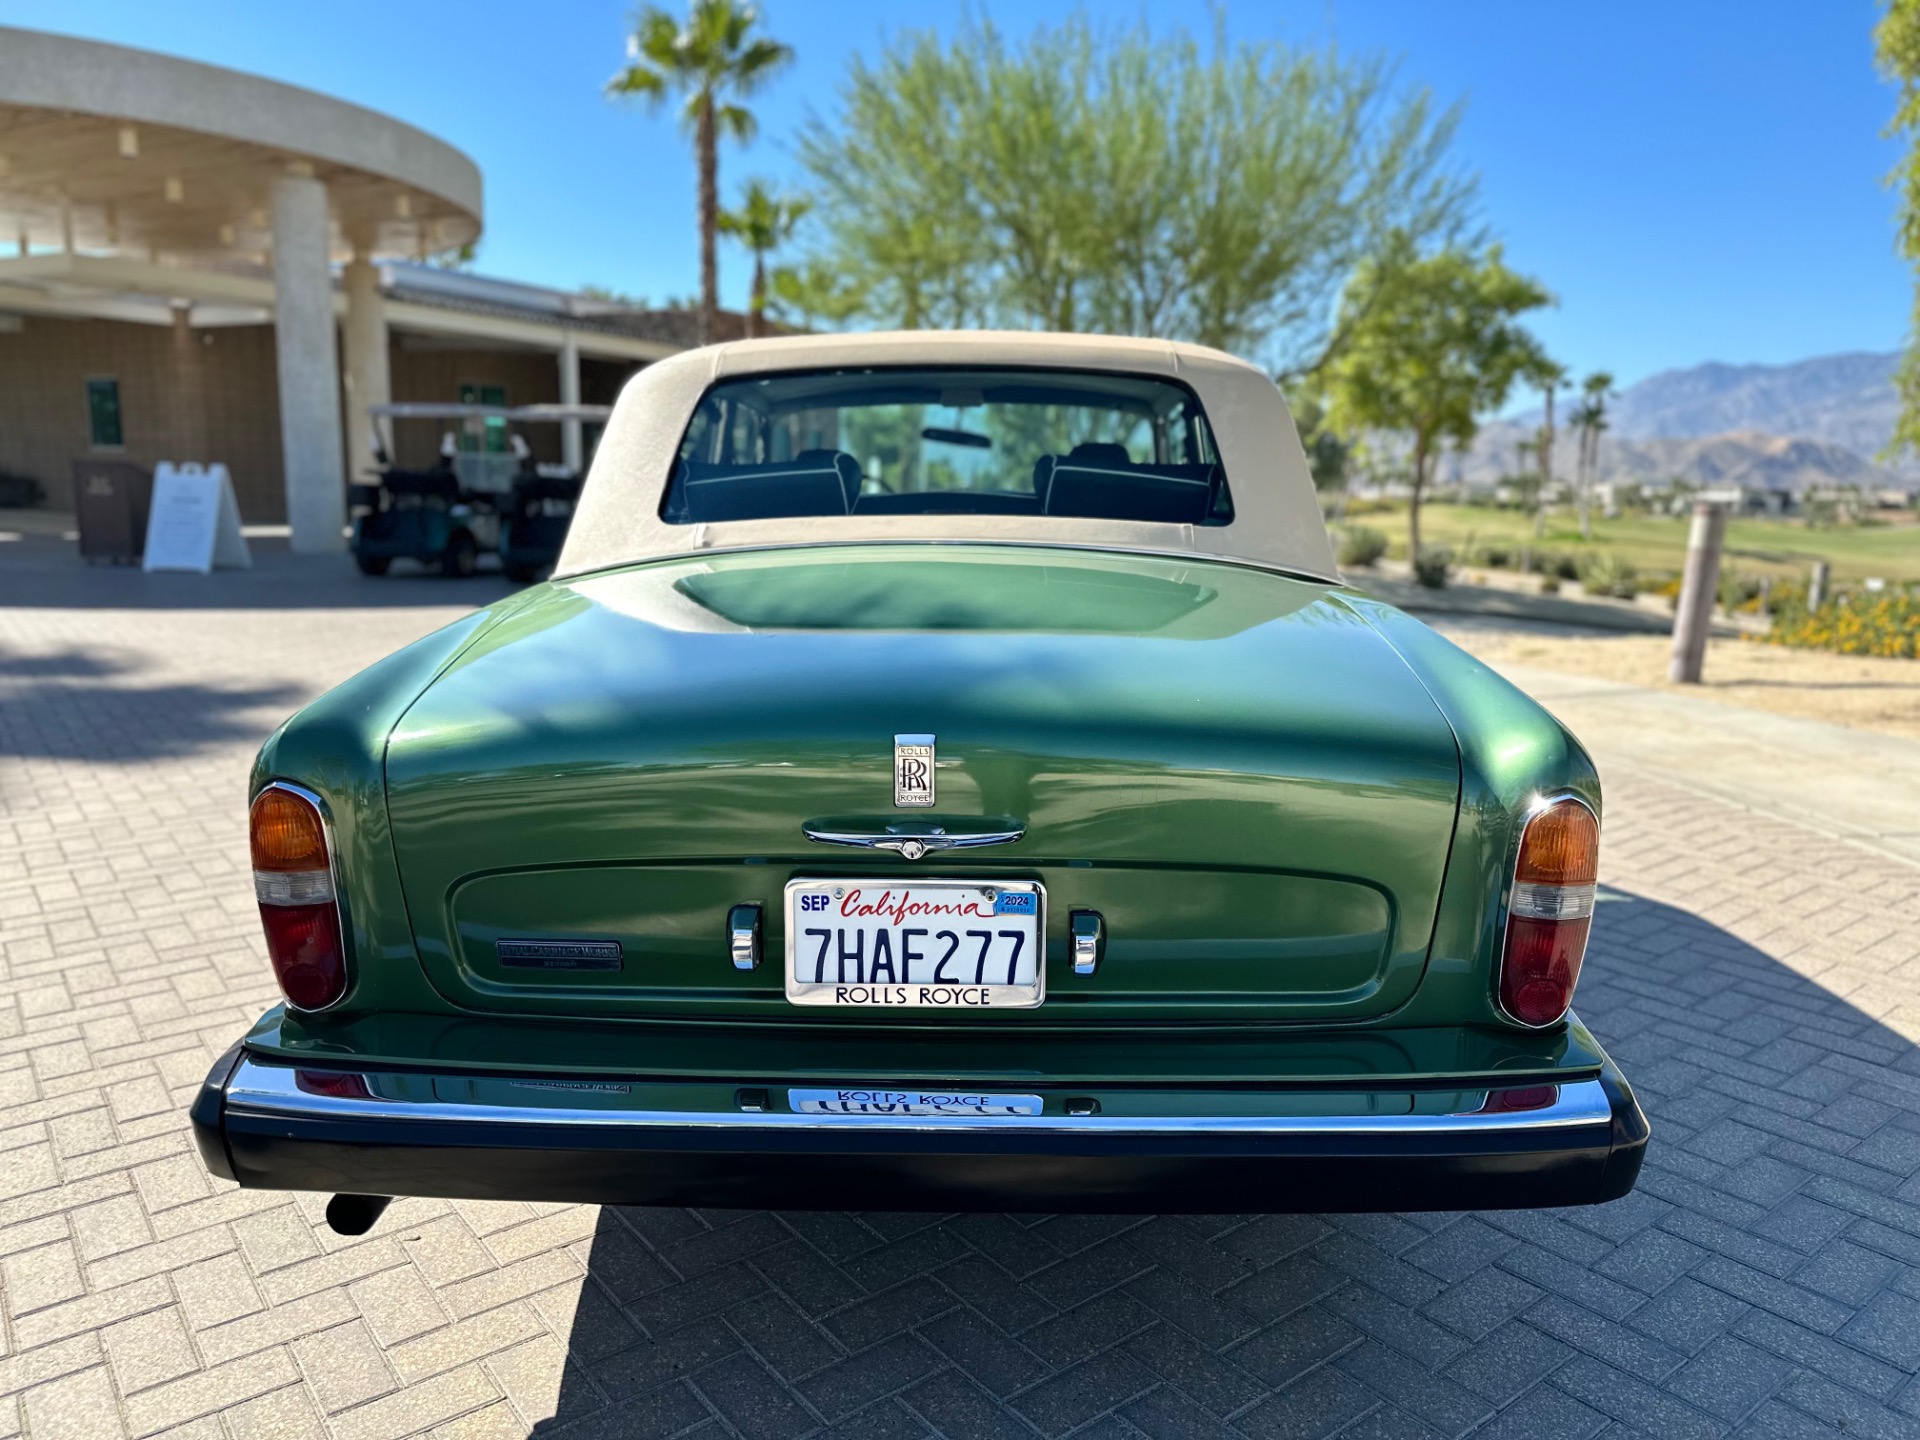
<point>1887,623</point>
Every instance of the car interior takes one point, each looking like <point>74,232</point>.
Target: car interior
<point>732,466</point>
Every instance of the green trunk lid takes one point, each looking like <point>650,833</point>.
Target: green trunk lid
<point>1232,767</point>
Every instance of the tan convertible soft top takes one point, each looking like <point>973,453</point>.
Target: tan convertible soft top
<point>1276,516</point>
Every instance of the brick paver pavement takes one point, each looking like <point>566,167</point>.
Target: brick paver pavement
<point>1757,981</point>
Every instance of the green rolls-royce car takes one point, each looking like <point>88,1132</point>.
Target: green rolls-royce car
<point>945,771</point>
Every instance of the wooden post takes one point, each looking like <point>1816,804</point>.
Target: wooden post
<point>1817,585</point>
<point>1698,587</point>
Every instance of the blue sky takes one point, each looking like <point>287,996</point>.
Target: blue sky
<point>1695,181</point>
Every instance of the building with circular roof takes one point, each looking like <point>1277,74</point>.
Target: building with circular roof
<point>208,265</point>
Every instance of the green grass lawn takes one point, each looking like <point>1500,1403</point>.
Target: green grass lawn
<point>1658,543</point>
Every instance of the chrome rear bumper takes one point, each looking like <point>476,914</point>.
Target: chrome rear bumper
<point>639,1141</point>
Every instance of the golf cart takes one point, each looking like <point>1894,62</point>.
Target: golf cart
<point>540,506</point>
<point>443,517</point>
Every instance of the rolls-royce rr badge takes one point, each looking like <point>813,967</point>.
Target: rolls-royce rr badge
<point>913,772</point>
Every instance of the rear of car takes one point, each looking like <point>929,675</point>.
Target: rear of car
<point>1032,865</point>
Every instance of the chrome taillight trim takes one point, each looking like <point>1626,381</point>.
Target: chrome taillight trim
<point>332,873</point>
<point>1512,910</point>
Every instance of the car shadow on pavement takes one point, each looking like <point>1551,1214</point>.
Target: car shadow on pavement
<point>87,704</point>
<point>1764,1276</point>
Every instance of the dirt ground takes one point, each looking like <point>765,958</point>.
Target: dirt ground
<point>1862,692</point>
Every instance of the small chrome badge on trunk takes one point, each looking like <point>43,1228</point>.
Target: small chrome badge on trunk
<point>559,954</point>
<point>913,772</point>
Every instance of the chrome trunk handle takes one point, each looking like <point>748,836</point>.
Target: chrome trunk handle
<point>910,841</point>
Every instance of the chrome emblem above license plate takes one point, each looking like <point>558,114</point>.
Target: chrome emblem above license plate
<point>913,772</point>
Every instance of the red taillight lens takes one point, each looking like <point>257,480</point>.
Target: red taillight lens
<point>293,881</point>
<point>1549,912</point>
<point>303,942</point>
<point>1514,1102</point>
<point>1542,967</point>
<point>340,1084</point>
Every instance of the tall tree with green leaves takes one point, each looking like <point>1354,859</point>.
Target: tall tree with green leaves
<point>1590,420</point>
<point>1435,342</point>
<point>1328,453</point>
<point>764,222</point>
<point>812,293</point>
<point>714,59</point>
<point>1088,177</point>
<point>1896,41</point>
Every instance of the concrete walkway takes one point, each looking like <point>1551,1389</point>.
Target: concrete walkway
<point>1853,785</point>
<point>1755,979</point>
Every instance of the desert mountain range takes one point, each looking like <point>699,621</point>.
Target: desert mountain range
<point>1782,427</point>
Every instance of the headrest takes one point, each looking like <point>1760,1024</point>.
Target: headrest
<point>1167,494</point>
<point>815,482</point>
<point>1100,452</point>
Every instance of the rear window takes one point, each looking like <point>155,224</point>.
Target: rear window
<point>1071,444</point>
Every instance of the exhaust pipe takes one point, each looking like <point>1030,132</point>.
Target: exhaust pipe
<point>355,1214</point>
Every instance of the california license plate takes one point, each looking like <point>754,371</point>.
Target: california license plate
<point>927,944</point>
<point>878,1101</point>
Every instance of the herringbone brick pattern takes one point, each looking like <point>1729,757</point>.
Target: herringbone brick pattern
<point>1757,982</point>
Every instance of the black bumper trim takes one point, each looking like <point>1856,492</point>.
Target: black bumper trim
<point>208,1110</point>
<point>930,1168</point>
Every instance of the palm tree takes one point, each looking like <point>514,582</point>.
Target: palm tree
<point>1549,375</point>
<point>1590,419</point>
<point>714,60</point>
<point>763,223</point>
<point>1526,481</point>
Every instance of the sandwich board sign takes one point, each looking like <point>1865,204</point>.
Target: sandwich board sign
<point>194,523</point>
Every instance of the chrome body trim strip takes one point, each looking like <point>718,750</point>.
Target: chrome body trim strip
<point>911,841</point>
<point>272,1091</point>
<point>697,550</point>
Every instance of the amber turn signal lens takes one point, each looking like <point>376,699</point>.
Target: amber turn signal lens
<point>1561,846</point>
<point>286,833</point>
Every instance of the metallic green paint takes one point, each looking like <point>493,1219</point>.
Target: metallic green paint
<point>1262,782</point>
<point>1236,771</point>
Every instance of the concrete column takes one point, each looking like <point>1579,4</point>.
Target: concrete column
<point>369,381</point>
<point>309,367</point>
<point>572,448</point>
<point>1699,585</point>
<point>187,400</point>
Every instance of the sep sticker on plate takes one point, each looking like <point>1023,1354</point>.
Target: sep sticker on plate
<point>909,1102</point>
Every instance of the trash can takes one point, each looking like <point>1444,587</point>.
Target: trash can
<point>110,502</point>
